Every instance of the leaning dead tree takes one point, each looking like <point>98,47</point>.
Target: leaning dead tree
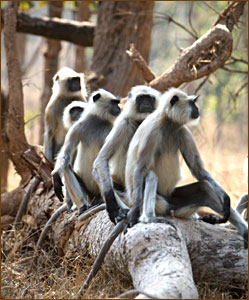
<point>202,58</point>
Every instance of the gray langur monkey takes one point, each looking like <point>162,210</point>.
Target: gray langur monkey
<point>84,139</point>
<point>68,86</point>
<point>152,167</point>
<point>71,114</point>
<point>243,201</point>
<point>109,166</point>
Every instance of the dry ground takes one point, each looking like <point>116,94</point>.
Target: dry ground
<point>60,278</point>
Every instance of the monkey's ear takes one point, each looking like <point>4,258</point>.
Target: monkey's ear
<point>174,100</point>
<point>96,97</point>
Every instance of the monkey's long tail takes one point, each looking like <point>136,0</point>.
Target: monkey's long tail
<point>103,251</point>
<point>52,219</point>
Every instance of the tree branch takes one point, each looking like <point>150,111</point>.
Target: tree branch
<point>202,58</point>
<point>141,64</point>
<point>79,33</point>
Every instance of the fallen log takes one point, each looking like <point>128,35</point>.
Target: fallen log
<point>162,261</point>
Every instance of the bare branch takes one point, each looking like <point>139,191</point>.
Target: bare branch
<point>170,19</point>
<point>141,64</point>
<point>79,33</point>
<point>231,14</point>
<point>202,58</point>
<point>234,71</point>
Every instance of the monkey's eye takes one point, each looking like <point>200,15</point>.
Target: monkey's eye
<point>174,100</point>
<point>56,78</point>
<point>96,97</point>
<point>115,101</point>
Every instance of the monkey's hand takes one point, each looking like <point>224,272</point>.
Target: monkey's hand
<point>112,206</point>
<point>58,185</point>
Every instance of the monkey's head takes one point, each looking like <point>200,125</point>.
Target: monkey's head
<point>73,112</point>
<point>180,107</point>
<point>142,100</point>
<point>104,104</point>
<point>67,82</point>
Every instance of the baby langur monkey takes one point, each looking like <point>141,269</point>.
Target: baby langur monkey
<point>72,113</point>
<point>84,139</point>
<point>68,86</point>
<point>142,100</point>
<point>153,167</point>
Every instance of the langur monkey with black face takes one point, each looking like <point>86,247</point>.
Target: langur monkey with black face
<point>68,86</point>
<point>84,139</point>
<point>152,167</point>
<point>142,100</point>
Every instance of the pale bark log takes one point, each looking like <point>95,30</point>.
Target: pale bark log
<point>159,258</point>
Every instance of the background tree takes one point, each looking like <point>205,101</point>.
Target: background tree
<point>51,63</point>
<point>120,23</point>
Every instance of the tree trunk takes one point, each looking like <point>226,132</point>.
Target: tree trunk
<point>119,25</point>
<point>83,14</point>
<point>15,143</point>
<point>50,64</point>
<point>4,154</point>
<point>162,261</point>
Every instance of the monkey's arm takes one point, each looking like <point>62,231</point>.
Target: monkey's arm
<point>101,170</point>
<point>64,159</point>
<point>49,132</point>
<point>193,159</point>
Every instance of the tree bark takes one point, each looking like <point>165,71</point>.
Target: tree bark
<point>51,56</point>
<point>4,154</point>
<point>204,57</point>
<point>79,33</point>
<point>83,14</point>
<point>120,24</point>
<point>15,143</point>
<point>162,261</point>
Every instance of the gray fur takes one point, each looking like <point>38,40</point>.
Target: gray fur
<point>54,133</point>
<point>110,163</point>
<point>154,148</point>
<point>85,138</point>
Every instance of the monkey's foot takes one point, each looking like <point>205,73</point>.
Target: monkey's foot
<point>211,219</point>
<point>83,209</point>
<point>122,214</point>
<point>161,220</point>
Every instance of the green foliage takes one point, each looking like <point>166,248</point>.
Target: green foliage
<point>25,5</point>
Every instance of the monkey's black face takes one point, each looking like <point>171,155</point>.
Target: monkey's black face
<point>114,108</point>
<point>194,110</point>
<point>73,84</point>
<point>145,103</point>
<point>75,113</point>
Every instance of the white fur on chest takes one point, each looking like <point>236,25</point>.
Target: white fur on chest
<point>168,170</point>
<point>84,163</point>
